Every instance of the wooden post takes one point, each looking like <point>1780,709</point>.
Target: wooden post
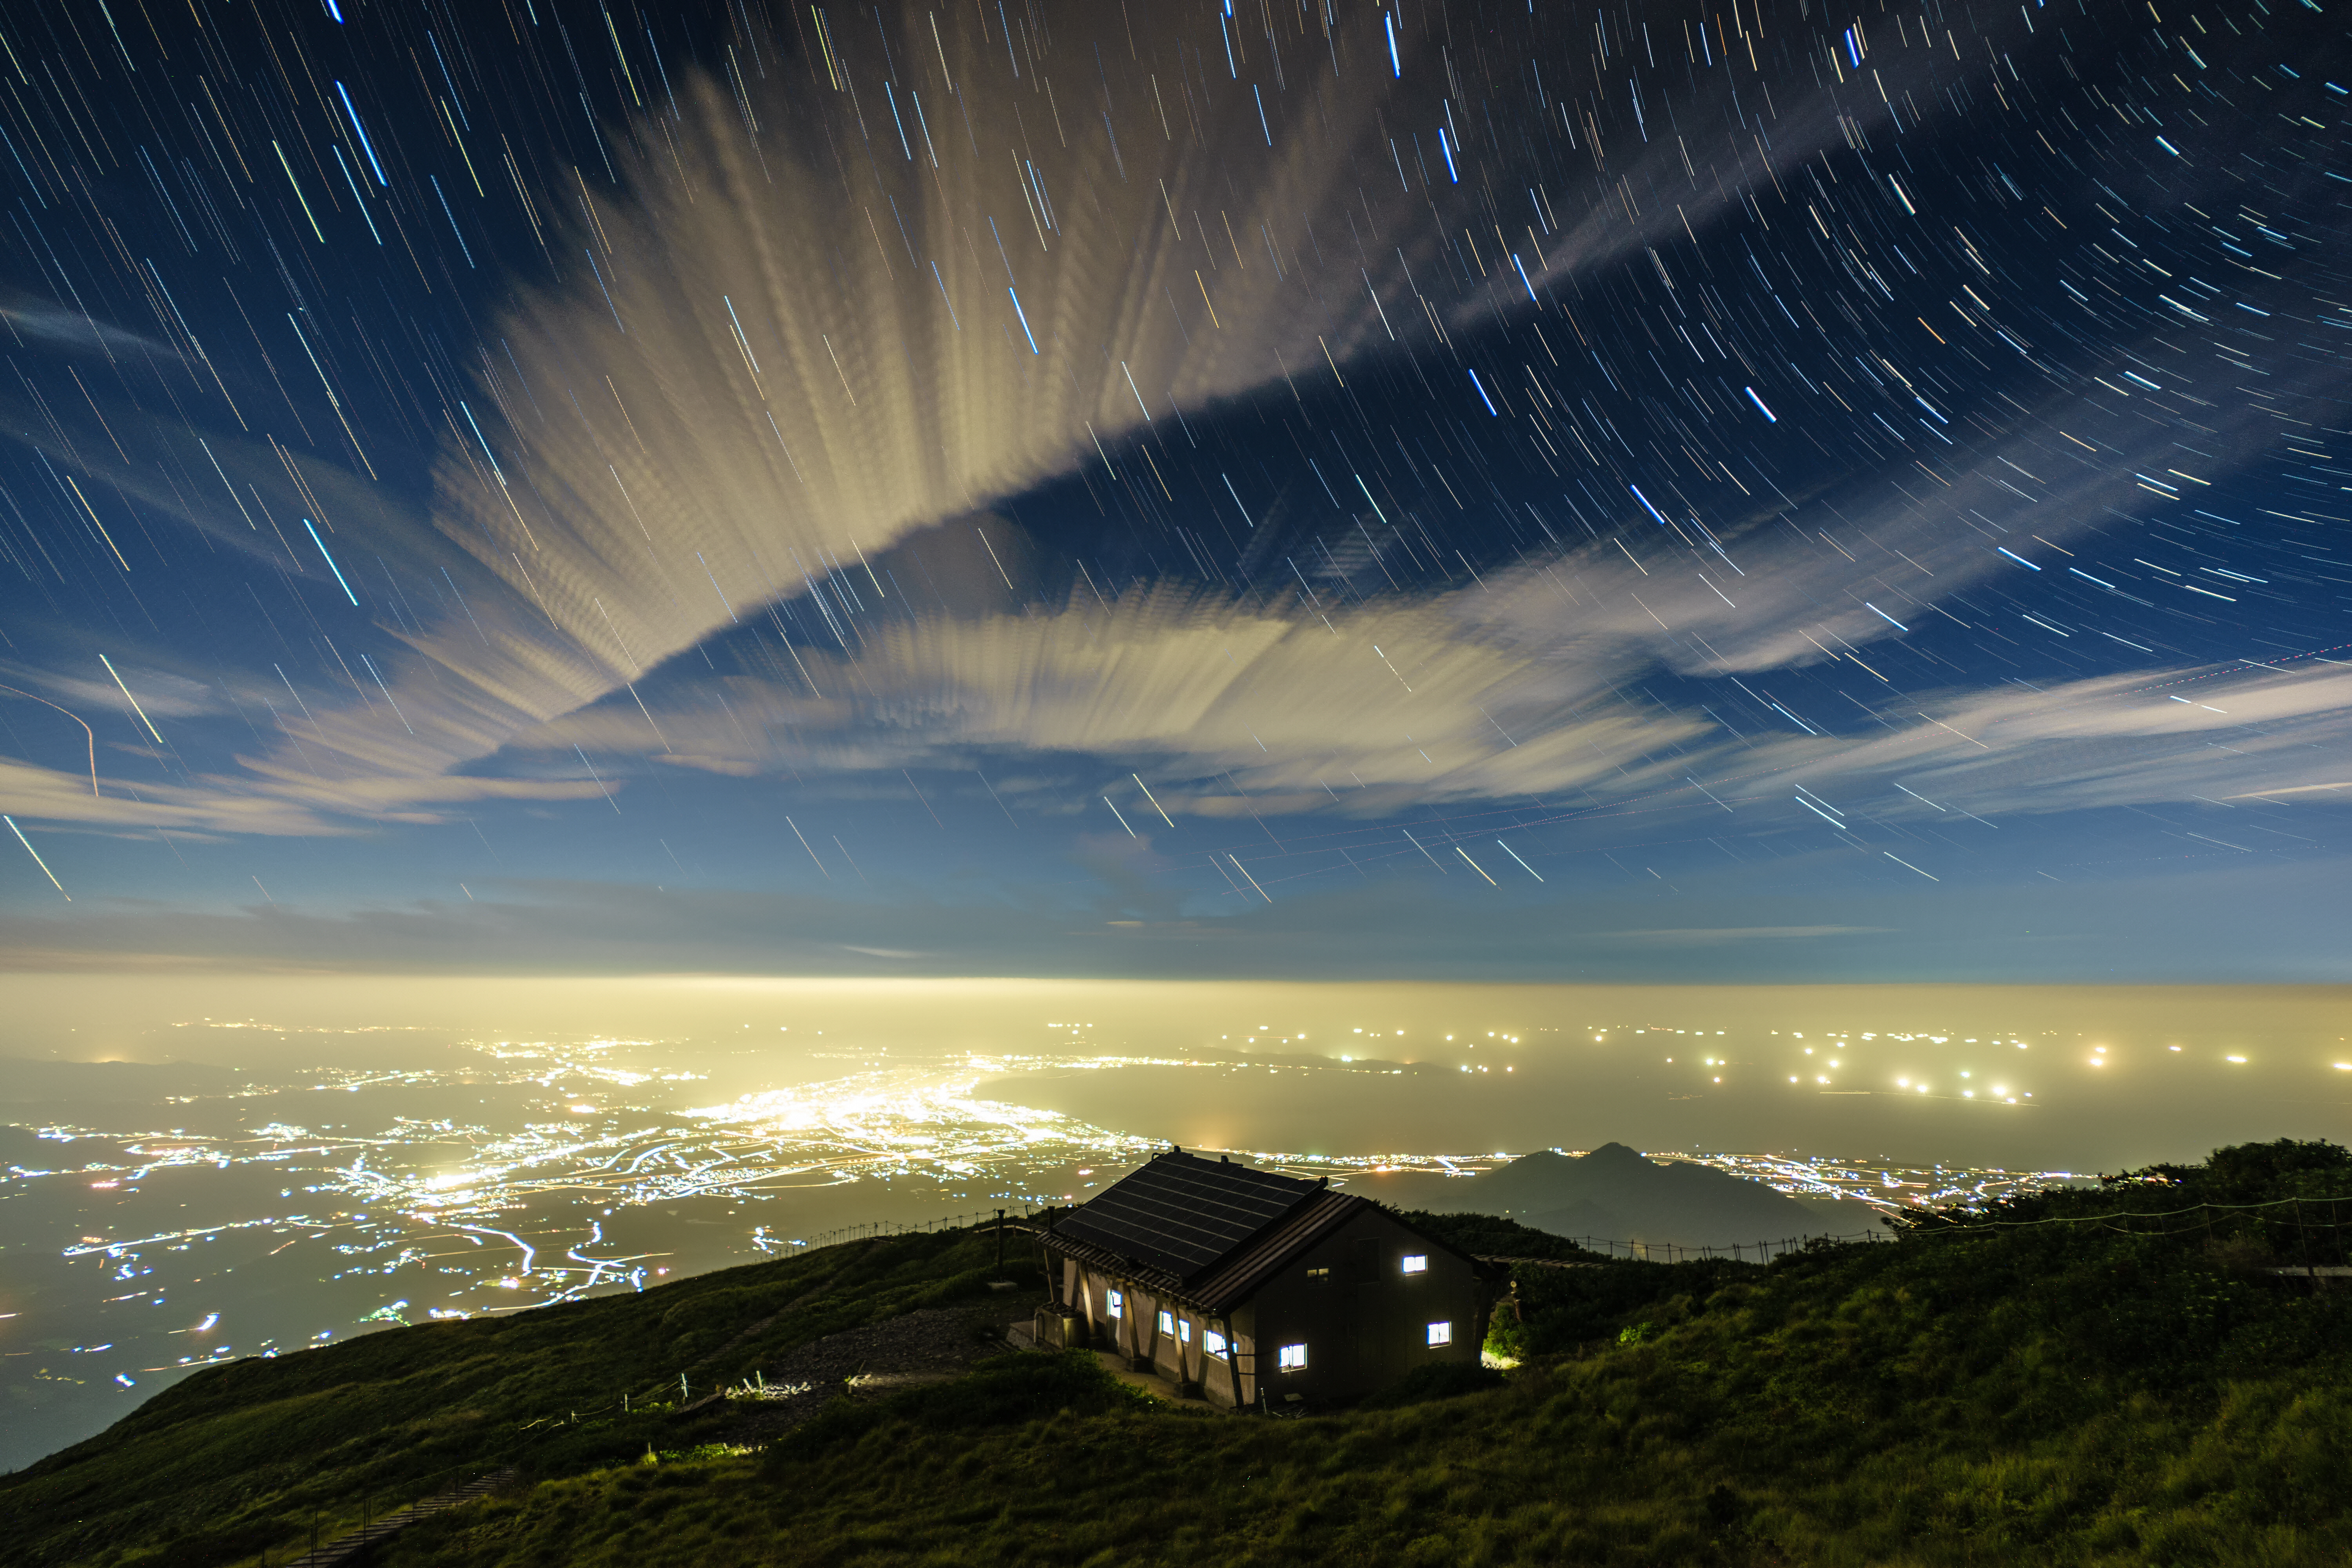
<point>1000,1240</point>
<point>1234,1361</point>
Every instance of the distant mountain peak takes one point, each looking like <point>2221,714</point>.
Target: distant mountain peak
<point>1618,1192</point>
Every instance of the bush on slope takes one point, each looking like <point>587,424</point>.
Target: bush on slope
<point>1980,1392</point>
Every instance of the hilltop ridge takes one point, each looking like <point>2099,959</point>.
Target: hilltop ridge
<point>2147,1373</point>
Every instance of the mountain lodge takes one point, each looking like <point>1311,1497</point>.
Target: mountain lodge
<point>1255,1291</point>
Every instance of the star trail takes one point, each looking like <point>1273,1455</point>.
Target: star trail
<point>1584,492</point>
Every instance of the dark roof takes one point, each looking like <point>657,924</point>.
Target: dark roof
<point>1183,1216</point>
<point>1211,1232</point>
<point>1238,1276</point>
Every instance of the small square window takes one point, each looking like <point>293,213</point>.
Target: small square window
<point>1183,1330</point>
<point>1441,1334</point>
<point>1293,1358</point>
<point>1214,1345</point>
<point>1167,1323</point>
<point>1114,1303</point>
<point>1319,1276</point>
<point>1416,1263</point>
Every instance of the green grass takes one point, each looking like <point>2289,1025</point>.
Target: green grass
<point>239,1458</point>
<point>1602,1462</point>
<point>1973,1394</point>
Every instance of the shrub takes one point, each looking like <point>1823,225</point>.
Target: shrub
<point>1438,1380</point>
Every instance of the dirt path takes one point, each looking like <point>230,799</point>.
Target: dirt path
<point>867,1362</point>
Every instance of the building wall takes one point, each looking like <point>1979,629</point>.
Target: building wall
<point>1364,1321</point>
<point>1179,1354</point>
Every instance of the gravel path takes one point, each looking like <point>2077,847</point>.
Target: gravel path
<point>929,1346</point>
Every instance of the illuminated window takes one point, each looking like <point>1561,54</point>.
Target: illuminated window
<point>1293,1358</point>
<point>1183,1330</point>
<point>1167,1323</point>
<point>1212,1344</point>
<point>1441,1334</point>
<point>1416,1263</point>
<point>1115,1303</point>
<point>1319,1276</point>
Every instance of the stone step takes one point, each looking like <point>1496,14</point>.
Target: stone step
<point>346,1547</point>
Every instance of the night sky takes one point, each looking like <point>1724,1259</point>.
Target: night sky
<point>1465,491</point>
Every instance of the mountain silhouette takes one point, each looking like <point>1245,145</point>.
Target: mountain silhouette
<point>1615,1193</point>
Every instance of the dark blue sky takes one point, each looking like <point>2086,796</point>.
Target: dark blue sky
<point>1325,490</point>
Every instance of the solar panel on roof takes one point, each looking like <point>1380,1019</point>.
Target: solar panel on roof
<point>1184,1214</point>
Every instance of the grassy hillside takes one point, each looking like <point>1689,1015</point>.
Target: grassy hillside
<point>1996,1389</point>
<point>239,1459</point>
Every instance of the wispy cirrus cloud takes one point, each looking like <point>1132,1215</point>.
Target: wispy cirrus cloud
<point>1502,688</point>
<point>2199,733</point>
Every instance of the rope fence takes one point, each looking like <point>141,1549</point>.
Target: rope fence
<point>882,1228</point>
<point>1738,1252</point>
<point>2310,1234</point>
<point>340,1536</point>
<point>2311,1231</point>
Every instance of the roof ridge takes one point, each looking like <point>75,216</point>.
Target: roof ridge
<point>1184,1214</point>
